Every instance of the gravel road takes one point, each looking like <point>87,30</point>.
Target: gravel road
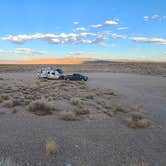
<point>91,142</point>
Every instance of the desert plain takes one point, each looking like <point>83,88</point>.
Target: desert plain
<point>116,118</point>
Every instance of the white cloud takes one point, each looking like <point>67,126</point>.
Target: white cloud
<point>81,54</point>
<point>154,17</point>
<point>106,23</point>
<point>148,40</point>
<point>29,51</point>
<point>81,29</point>
<point>116,36</point>
<point>86,34</point>
<point>86,41</point>
<point>110,22</point>
<point>98,40</point>
<point>97,26</point>
<point>62,38</point>
<point>146,18</point>
<point>76,22</point>
<point>4,51</point>
<point>122,28</point>
<point>18,38</point>
<point>26,51</point>
<point>55,41</point>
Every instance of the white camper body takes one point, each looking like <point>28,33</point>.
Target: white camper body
<point>50,73</point>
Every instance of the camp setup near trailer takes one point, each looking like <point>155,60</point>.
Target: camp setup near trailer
<point>51,73</point>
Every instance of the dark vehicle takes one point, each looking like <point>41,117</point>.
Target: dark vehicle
<point>76,77</point>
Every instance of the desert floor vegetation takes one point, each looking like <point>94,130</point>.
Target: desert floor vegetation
<point>128,67</point>
<point>66,100</point>
<point>137,120</point>
<point>40,107</point>
<point>69,116</point>
<point>51,147</point>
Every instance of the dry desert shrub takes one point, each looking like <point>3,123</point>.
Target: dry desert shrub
<point>8,104</point>
<point>120,109</point>
<point>1,99</point>
<point>89,96</point>
<point>40,107</point>
<point>68,116</point>
<point>111,93</point>
<point>83,87</point>
<point>104,103</point>
<point>109,113</point>
<point>7,162</point>
<point>5,97</point>
<point>75,101</point>
<point>51,147</point>
<point>137,115</point>
<point>81,111</point>
<point>137,120</point>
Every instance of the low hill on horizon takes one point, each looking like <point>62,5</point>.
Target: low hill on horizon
<point>68,60</point>
<point>73,60</point>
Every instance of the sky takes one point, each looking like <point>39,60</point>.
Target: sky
<point>114,29</point>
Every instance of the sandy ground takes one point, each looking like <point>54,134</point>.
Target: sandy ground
<point>98,142</point>
<point>145,90</point>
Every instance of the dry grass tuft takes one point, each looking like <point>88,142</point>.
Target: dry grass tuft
<point>137,116</point>
<point>69,116</point>
<point>143,123</point>
<point>110,93</point>
<point>90,96</point>
<point>51,147</point>
<point>7,162</point>
<point>109,113</point>
<point>75,101</point>
<point>40,107</point>
<point>81,111</point>
<point>1,99</point>
<point>5,97</point>
<point>8,103</point>
<point>137,120</point>
<point>120,109</point>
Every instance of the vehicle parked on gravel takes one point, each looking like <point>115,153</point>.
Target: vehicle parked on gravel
<point>76,76</point>
<point>51,73</point>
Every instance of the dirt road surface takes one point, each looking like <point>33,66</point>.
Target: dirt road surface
<point>91,142</point>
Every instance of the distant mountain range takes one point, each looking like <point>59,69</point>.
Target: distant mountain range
<point>68,60</point>
<point>99,62</point>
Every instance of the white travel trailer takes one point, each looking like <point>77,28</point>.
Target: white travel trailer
<point>51,73</point>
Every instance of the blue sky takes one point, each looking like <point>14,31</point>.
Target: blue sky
<point>128,29</point>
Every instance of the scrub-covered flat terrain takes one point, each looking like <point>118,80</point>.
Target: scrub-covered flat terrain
<point>114,67</point>
<point>113,119</point>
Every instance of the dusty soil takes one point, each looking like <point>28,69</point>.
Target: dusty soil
<point>96,137</point>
